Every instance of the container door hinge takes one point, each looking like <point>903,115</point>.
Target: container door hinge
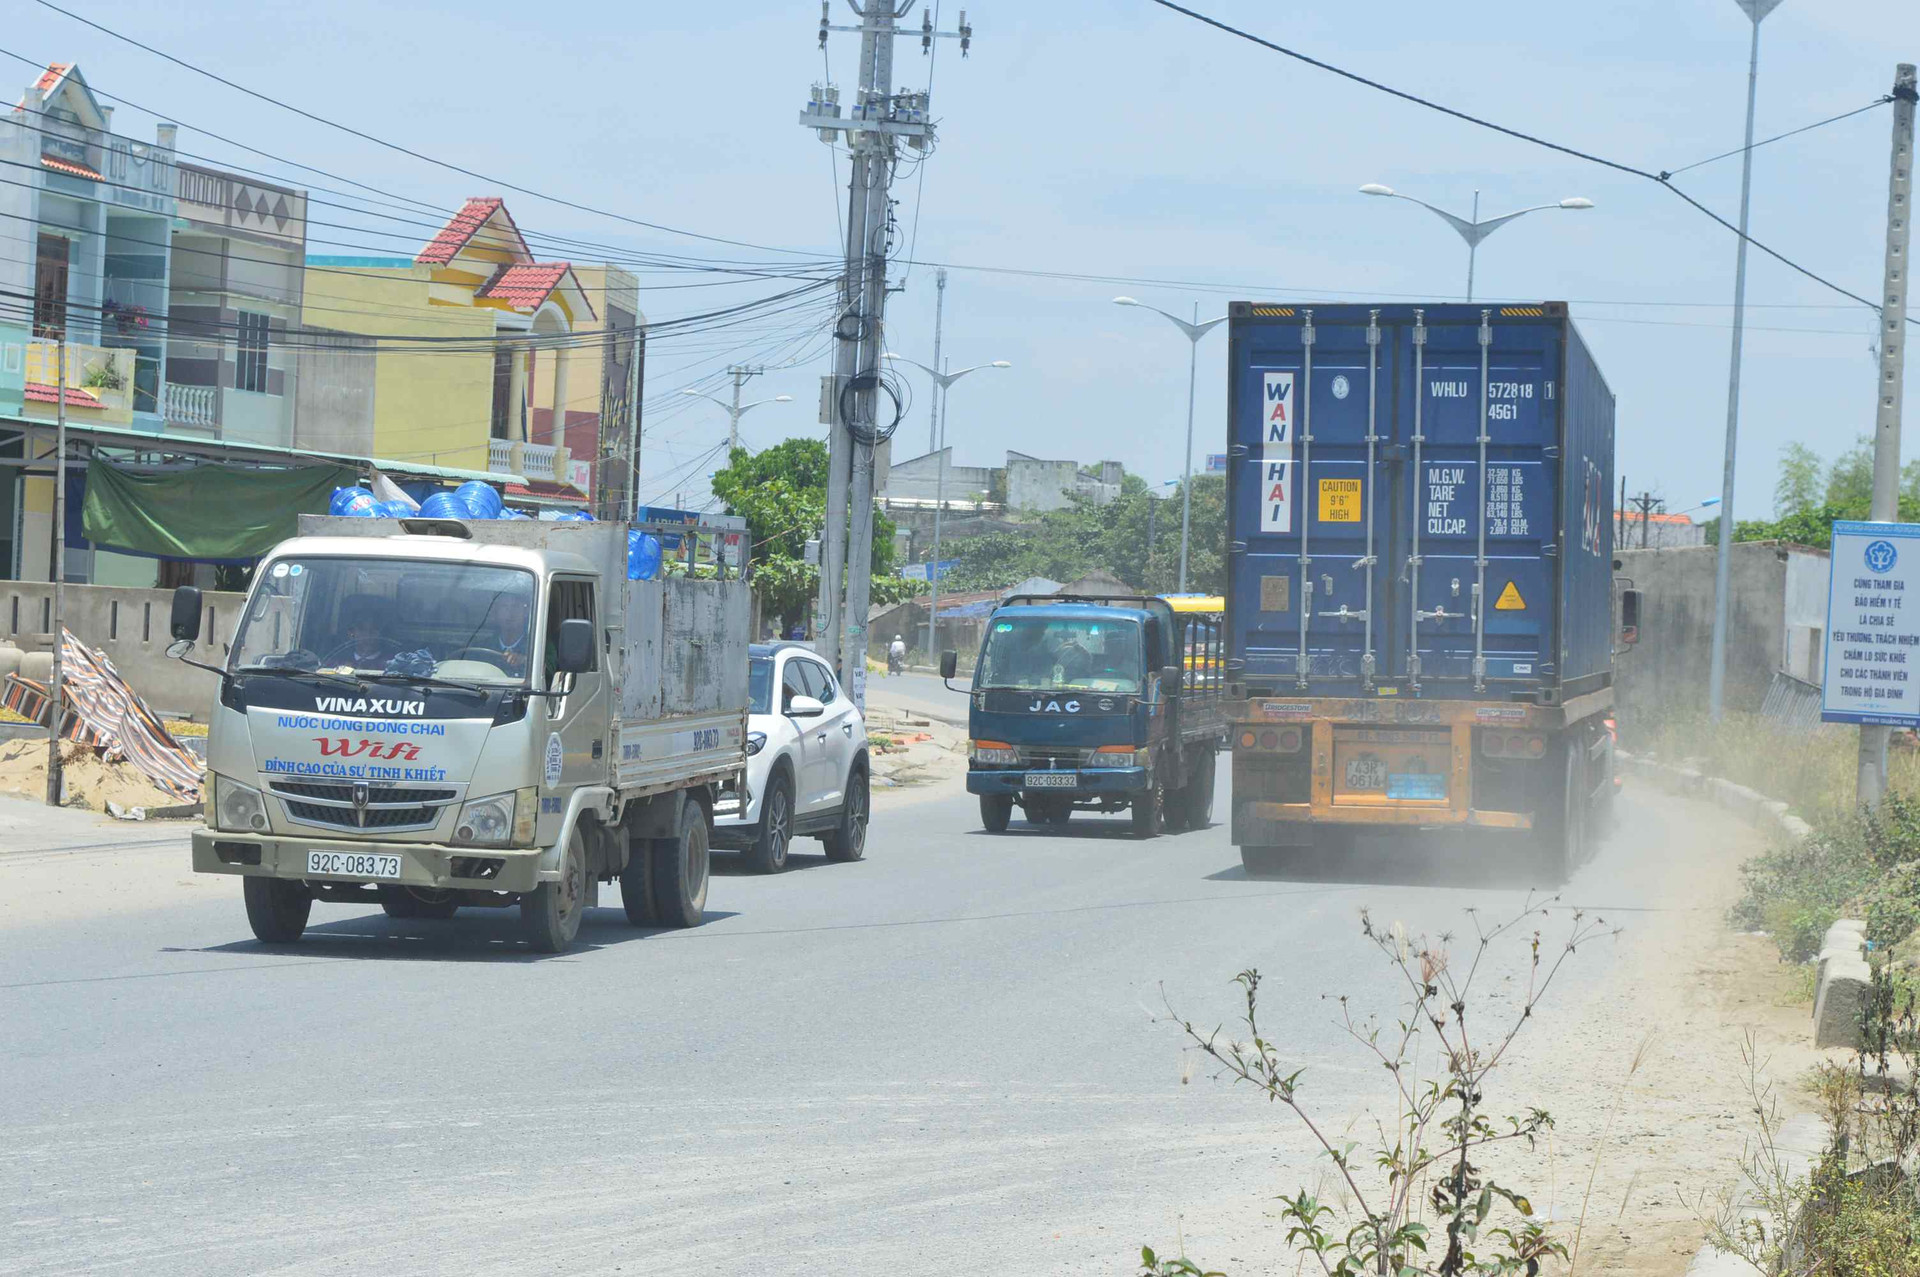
<point>1551,550</point>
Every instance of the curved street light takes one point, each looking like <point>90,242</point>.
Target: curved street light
<point>941,381</point>
<point>1195,330</point>
<point>736,410</point>
<point>1473,230</point>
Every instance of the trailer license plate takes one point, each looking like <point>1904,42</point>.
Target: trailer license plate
<point>1417,787</point>
<point>344,864</point>
<point>1050,780</point>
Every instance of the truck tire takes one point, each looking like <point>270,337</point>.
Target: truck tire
<point>680,871</point>
<point>1270,862</point>
<point>550,914</point>
<point>1196,797</point>
<point>1149,811</point>
<point>996,810</point>
<point>768,854</point>
<point>398,902</point>
<point>636,882</point>
<point>277,908</point>
<point>1563,835</point>
<point>847,841</point>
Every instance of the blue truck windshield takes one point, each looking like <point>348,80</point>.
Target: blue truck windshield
<point>1094,654</point>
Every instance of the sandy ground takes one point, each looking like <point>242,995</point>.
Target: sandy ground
<point>90,782</point>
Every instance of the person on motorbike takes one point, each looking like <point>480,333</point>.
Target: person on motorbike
<point>897,656</point>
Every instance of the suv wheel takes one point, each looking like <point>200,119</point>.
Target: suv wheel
<point>768,854</point>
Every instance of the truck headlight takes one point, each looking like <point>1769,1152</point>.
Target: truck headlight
<point>994,753</point>
<point>1118,756</point>
<point>486,822</point>
<point>756,741</point>
<point>238,808</point>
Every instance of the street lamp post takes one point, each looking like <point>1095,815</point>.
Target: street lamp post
<point>941,382</point>
<point>1194,330</point>
<point>1756,11</point>
<point>1473,230</point>
<point>736,410</point>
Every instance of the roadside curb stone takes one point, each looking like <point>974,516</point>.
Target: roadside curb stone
<point>1751,806</point>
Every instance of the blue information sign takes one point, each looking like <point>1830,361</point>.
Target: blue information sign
<point>1871,667</point>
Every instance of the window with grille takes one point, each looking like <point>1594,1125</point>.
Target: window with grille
<point>250,360</point>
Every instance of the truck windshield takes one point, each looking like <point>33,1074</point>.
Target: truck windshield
<point>463,621</point>
<point>1095,654</point>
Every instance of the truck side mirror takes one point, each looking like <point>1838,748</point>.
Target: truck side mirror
<point>573,648</point>
<point>1629,617</point>
<point>949,663</point>
<point>185,623</point>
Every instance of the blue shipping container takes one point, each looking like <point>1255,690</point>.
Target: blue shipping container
<point>1421,503</point>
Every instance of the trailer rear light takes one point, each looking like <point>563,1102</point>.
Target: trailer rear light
<point>1270,740</point>
<point>1290,740</point>
<point>1514,745</point>
<point>1536,747</point>
<point>1248,740</point>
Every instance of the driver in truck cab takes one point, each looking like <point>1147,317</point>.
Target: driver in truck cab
<point>365,647</point>
<point>505,630</point>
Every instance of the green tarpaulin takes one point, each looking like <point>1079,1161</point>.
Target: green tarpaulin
<point>211,512</point>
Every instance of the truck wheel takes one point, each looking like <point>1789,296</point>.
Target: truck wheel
<point>848,840</point>
<point>1199,803</point>
<point>1562,843</point>
<point>550,913</point>
<point>995,811</point>
<point>1149,811</point>
<point>277,908</point>
<point>768,854</point>
<point>680,871</point>
<point>398,902</point>
<point>636,882</point>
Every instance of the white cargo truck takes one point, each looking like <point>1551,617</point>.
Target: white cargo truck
<point>433,715</point>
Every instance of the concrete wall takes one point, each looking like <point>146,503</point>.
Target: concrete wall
<point>1034,483</point>
<point>1808,573</point>
<point>130,627</point>
<point>1669,667</point>
<point>918,479</point>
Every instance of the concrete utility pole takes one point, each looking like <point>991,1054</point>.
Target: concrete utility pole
<point>850,400</point>
<point>55,690</point>
<point>1648,505</point>
<point>1872,783</point>
<point>1756,10</point>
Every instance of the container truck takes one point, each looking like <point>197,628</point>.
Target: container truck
<point>1102,704</point>
<point>1420,604</point>
<point>438,714</point>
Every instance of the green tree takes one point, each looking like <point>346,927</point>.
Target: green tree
<point>782,494</point>
<point>1850,482</point>
<point>1799,485</point>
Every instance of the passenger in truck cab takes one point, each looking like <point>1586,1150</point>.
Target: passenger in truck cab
<point>365,648</point>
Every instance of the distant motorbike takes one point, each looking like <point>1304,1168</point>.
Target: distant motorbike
<point>896,664</point>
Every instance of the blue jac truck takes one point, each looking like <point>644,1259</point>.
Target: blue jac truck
<point>1096,703</point>
<point>1420,608</point>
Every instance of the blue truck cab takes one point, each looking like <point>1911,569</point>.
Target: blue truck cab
<point>1101,704</point>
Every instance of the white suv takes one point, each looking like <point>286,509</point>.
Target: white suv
<point>807,768</point>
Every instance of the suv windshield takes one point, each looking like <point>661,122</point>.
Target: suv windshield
<point>463,621</point>
<point>1095,654</point>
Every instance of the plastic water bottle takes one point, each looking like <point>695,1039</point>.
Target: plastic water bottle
<point>342,497</point>
<point>443,505</point>
<point>480,498</point>
<point>643,557</point>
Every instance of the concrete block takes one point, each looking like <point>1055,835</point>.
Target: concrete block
<point>1836,1007</point>
<point>1795,827</point>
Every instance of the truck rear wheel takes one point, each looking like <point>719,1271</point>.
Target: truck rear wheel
<point>277,908</point>
<point>636,881</point>
<point>550,913</point>
<point>680,871</point>
<point>1196,807</point>
<point>1266,862</point>
<point>996,810</point>
<point>1562,840</point>
<point>1149,811</point>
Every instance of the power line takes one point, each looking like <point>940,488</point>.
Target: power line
<point>404,150</point>
<point>1536,140</point>
<point>1883,100</point>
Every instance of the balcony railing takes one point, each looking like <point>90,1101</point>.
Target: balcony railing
<point>193,405</point>
<point>543,461</point>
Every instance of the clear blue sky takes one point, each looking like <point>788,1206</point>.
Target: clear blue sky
<point>1117,138</point>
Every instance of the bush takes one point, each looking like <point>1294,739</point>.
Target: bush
<point>1891,906</point>
<point>1864,864</point>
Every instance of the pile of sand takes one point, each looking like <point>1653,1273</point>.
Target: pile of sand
<point>91,782</point>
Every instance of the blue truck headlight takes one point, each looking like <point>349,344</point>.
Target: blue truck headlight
<point>994,753</point>
<point>238,808</point>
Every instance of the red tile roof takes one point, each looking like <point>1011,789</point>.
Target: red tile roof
<point>40,392</point>
<point>525,286</point>
<point>456,234</point>
<point>51,76</point>
<point>61,166</point>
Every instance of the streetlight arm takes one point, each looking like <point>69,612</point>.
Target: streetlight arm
<point>947,379</point>
<point>902,359</point>
<point>1469,231</point>
<point>1194,331</point>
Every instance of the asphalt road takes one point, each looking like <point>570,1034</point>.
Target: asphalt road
<point>922,693</point>
<point>941,1060</point>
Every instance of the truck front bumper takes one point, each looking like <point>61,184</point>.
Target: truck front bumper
<point>422,864</point>
<point>1086,781</point>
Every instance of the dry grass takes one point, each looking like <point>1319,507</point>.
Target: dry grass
<point>1814,774</point>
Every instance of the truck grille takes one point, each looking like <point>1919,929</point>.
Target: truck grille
<point>1053,757</point>
<point>332,806</point>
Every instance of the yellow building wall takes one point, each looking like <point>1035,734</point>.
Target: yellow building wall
<point>431,403</point>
